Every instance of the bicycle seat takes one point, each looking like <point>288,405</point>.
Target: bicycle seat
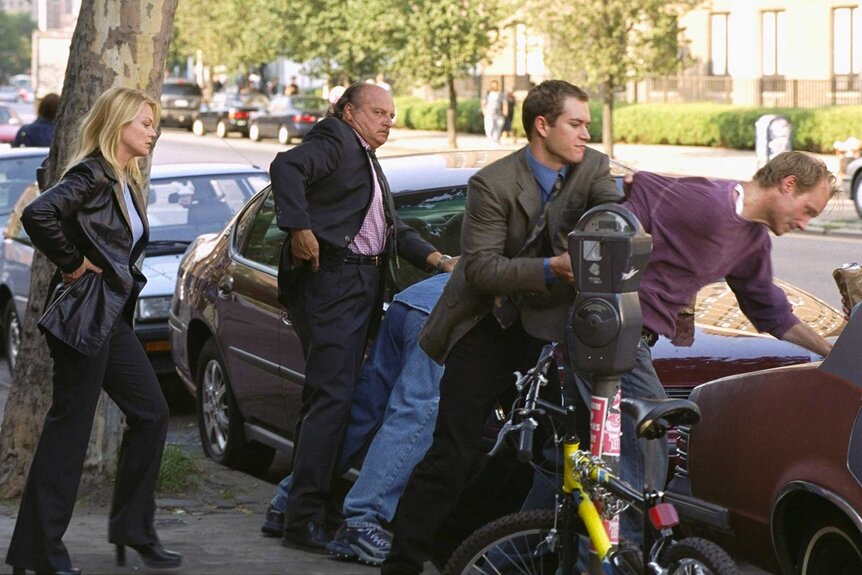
<point>653,417</point>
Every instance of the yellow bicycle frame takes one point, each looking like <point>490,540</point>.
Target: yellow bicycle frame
<point>586,508</point>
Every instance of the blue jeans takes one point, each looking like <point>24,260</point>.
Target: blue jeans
<point>397,396</point>
<point>641,381</point>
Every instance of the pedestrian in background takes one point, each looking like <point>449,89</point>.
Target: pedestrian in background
<point>41,131</point>
<point>93,226</point>
<point>509,103</point>
<point>334,201</point>
<point>492,111</point>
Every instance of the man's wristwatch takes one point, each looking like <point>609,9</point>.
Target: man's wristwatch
<point>443,259</point>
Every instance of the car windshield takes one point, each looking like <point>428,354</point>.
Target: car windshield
<point>175,89</point>
<point>309,104</point>
<point>182,208</point>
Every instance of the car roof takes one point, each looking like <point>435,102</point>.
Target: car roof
<point>24,152</point>
<point>159,171</point>
<point>436,170</point>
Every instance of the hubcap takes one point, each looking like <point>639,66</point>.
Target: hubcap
<point>214,407</point>
<point>283,136</point>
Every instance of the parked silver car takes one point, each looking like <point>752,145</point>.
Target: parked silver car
<point>184,201</point>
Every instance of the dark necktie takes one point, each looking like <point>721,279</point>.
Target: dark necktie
<point>505,308</point>
<point>388,207</point>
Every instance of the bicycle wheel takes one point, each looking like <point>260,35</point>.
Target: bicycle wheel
<point>526,542</point>
<point>697,556</point>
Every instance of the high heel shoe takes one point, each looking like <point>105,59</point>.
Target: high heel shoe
<point>153,555</point>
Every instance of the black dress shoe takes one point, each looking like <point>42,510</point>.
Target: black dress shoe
<point>312,537</point>
<point>153,555</point>
<point>273,523</point>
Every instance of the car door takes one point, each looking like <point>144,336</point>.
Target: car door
<point>250,319</point>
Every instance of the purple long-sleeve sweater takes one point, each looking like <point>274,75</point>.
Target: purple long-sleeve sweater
<point>698,238</point>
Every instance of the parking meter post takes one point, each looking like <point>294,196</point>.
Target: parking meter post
<point>609,251</point>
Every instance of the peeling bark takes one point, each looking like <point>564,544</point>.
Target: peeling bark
<point>116,43</point>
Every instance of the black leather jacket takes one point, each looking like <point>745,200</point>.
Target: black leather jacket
<point>84,215</point>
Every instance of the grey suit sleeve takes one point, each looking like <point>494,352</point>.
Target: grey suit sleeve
<point>604,189</point>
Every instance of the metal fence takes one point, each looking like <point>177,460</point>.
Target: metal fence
<point>768,92</point>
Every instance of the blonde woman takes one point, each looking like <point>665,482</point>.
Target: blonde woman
<point>93,226</point>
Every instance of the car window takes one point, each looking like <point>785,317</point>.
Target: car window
<point>258,238</point>
<point>16,174</point>
<point>180,209</point>
<point>5,115</point>
<point>173,89</point>
<point>437,215</point>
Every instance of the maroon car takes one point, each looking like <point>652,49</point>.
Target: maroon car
<point>9,124</point>
<point>782,450</point>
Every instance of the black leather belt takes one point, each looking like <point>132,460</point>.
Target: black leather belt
<point>361,260</point>
<point>649,336</point>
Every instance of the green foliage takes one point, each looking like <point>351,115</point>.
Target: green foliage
<point>333,37</point>
<point>179,471</point>
<point>15,34</point>
<point>814,130</point>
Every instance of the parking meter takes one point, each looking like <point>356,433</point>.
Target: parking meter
<point>609,252</point>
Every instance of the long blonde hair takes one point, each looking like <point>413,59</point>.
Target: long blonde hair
<point>101,128</point>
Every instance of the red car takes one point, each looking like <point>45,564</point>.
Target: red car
<point>781,449</point>
<point>9,124</point>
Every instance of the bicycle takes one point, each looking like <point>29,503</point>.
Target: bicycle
<point>547,541</point>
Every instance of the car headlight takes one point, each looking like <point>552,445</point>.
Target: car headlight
<point>153,308</point>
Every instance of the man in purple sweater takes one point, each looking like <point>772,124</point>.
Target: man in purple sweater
<point>704,231</point>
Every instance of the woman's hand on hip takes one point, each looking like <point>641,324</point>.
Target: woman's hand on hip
<point>86,266</point>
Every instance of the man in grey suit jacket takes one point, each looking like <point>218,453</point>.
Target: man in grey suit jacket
<point>507,298</point>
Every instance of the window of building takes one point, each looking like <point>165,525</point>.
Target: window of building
<point>846,42</point>
<point>718,44</point>
<point>774,37</point>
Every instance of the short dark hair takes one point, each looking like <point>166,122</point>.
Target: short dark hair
<point>809,171</point>
<point>547,99</point>
<point>351,95</point>
<point>48,107</point>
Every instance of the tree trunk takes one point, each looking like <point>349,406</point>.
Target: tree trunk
<point>608,121</point>
<point>452,113</point>
<point>115,43</point>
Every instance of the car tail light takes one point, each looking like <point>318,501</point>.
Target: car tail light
<point>304,118</point>
<point>663,516</point>
<point>238,114</point>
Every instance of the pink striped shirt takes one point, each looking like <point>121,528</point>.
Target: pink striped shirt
<point>371,238</point>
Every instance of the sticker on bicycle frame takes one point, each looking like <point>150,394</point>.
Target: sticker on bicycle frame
<point>605,424</point>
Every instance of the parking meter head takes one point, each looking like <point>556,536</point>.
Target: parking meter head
<point>609,251</point>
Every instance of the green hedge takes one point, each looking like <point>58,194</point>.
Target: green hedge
<point>814,130</point>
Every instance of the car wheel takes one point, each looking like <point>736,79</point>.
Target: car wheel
<point>254,133</point>
<point>830,545</point>
<point>283,135</point>
<point>219,421</point>
<point>857,192</point>
<point>11,335</point>
<point>198,128</point>
<point>221,129</point>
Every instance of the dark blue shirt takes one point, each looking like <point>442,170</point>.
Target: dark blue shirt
<point>37,134</point>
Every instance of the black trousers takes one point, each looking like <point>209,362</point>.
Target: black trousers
<point>123,370</point>
<point>332,310</point>
<point>479,369</point>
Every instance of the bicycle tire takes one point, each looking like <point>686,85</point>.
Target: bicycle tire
<point>524,542</point>
<point>697,556</point>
